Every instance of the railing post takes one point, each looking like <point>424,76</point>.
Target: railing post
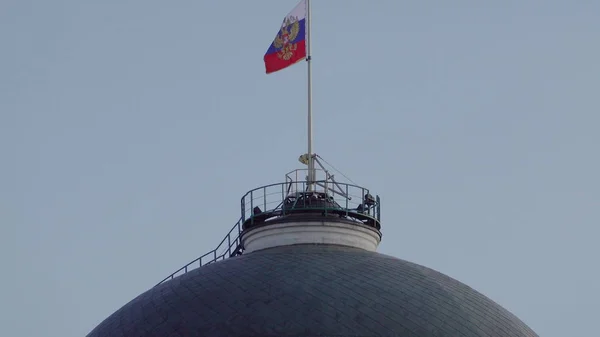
<point>283,198</point>
<point>362,201</point>
<point>347,195</point>
<point>243,209</point>
<point>264,199</point>
<point>368,208</point>
<point>371,208</point>
<point>378,209</point>
<point>305,194</point>
<point>251,207</point>
<point>229,244</point>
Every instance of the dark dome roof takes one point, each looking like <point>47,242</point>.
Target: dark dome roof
<point>312,290</point>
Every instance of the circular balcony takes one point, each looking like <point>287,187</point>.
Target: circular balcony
<point>326,198</point>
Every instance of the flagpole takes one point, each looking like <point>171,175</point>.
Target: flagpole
<point>311,165</point>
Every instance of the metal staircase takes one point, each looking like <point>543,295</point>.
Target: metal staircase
<point>297,195</point>
<point>230,246</point>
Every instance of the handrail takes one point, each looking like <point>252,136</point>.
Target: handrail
<point>233,248</point>
<point>269,202</point>
<point>301,183</point>
<point>365,209</point>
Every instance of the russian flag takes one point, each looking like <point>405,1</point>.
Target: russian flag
<point>289,46</point>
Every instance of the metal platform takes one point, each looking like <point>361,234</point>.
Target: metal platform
<point>284,201</point>
<point>272,202</point>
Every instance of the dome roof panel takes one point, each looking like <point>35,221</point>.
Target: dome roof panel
<point>312,290</point>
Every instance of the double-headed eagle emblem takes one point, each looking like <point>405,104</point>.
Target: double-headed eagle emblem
<point>288,33</point>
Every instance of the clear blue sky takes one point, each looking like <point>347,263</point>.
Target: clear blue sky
<point>130,129</point>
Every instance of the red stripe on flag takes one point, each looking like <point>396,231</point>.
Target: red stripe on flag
<point>273,62</point>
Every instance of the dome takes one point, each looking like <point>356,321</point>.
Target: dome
<point>312,290</point>
<point>300,262</point>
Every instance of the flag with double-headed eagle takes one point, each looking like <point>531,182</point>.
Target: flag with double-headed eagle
<point>289,46</point>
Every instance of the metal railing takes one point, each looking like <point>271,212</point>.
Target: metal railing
<point>276,200</point>
<point>229,246</point>
<point>324,197</point>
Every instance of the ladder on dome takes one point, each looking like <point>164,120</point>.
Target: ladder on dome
<point>230,246</point>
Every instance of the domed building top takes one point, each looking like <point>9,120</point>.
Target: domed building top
<point>312,290</point>
<point>321,211</point>
<point>301,261</point>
